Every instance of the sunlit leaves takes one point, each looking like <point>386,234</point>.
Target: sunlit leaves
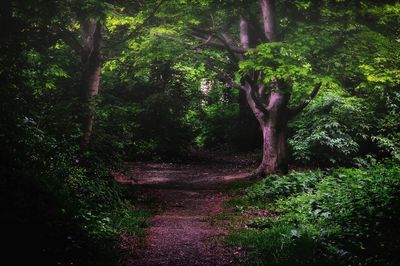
<point>115,21</point>
<point>387,16</point>
<point>276,60</point>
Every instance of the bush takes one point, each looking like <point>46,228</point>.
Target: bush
<point>347,217</point>
<point>275,187</point>
<point>55,209</point>
<point>325,136</point>
<point>61,212</point>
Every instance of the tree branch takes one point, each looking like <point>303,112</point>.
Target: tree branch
<point>204,43</point>
<point>69,38</point>
<point>210,42</point>
<point>229,41</point>
<point>259,111</point>
<point>139,27</point>
<point>244,33</point>
<point>267,10</point>
<point>262,89</point>
<point>295,111</point>
<point>253,94</point>
<point>223,40</point>
<point>224,77</point>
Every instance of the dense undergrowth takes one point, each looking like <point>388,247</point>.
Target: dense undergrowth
<point>57,205</point>
<point>66,214</point>
<point>346,216</point>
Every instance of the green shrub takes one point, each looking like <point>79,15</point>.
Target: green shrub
<point>349,217</point>
<point>274,186</point>
<point>325,136</point>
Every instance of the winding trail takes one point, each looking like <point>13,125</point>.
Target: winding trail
<point>189,198</point>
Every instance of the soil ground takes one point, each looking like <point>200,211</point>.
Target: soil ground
<point>188,198</point>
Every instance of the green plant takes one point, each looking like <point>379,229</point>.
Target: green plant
<point>349,217</point>
<point>274,187</point>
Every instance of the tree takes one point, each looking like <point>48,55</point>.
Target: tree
<point>90,51</point>
<point>267,92</point>
<point>81,26</point>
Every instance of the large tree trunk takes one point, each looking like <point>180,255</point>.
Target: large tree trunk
<point>274,129</point>
<point>275,156</point>
<point>92,60</point>
<point>273,120</point>
<point>274,117</point>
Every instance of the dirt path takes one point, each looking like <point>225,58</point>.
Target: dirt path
<point>189,197</point>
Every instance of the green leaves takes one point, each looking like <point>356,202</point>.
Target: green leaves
<point>387,16</point>
<point>325,132</point>
<point>277,60</point>
<point>277,187</point>
<point>345,217</point>
<point>116,21</point>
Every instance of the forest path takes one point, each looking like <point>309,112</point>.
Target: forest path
<point>189,198</point>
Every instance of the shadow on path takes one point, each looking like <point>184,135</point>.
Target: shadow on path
<point>189,197</point>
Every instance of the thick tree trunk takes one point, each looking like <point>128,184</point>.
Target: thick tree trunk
<point>275,156</point>
<point>273,120</point>
<point>274,128</point>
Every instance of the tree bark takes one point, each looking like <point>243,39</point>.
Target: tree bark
<point>275,160</point>
<point>274,129</point>
<point>244,33</point>
<point>267,10</point>
<point>92,60</point>
<point>275,155</point>
<point>273,120</point>
<point>273,117</point>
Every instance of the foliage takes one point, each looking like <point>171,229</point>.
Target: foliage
<point>280,60</point>
<point>275,186</point>
<point>214,119</point>
<point>60,210</point>
<point>159,99</point>
<point>325,134</point>
<point>346,217</point>
<point>58,205</point>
